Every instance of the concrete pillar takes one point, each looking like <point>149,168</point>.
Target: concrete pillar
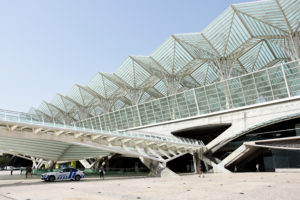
<point>50,164</point>
<point>96,164</point>
<point>41,163</point>
<point>158,169</point>
<point>196,161</point>
<point>85,164</point>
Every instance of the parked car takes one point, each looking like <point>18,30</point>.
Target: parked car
<point>64,174</point>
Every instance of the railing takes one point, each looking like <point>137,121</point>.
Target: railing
<point>12,116</point>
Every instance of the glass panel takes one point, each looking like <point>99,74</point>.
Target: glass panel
<point>143,114</point>
<point>173,107</point>
<point>92,123</point>
<point>124,119</point>
<point>129,117</point>
<point>277,83</point>
<point>249,89</point>
<point>293,78</point>
<point>107,122</point>
<point>113,125</point>
<point>78,124</point>
<point>191,103</point>
<point>165,109</point>
<point>224,95</point>
<point>27,118</point>
<point>263,86</point>
<point>202,100</point>
<point>104,127</point>
<point>157,111</point>
<point>136,120</point>
<point>149,112</point>
<point>96,123</point>
<point>236,92</point>
<point>213,98</point>
<point>118,119</point>
<point>182,106</point>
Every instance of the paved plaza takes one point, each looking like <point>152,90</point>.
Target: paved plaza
<point>213,186</point>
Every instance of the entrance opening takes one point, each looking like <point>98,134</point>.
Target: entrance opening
<point>15,161</point>
<point>205,133</point>
<point>119,161</point>
<point>266,158</point>
<point>183,164</point>
<point>260,157</point>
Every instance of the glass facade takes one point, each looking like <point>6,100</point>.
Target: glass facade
<point>278,82</point>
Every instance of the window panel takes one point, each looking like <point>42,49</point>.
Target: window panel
<point>191,103</point>
<point>165,109</point>
<point>202,100</point>
<point>157,111</point>
<point>236,92</point>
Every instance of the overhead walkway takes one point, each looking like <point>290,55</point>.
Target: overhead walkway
<point>24,134</point>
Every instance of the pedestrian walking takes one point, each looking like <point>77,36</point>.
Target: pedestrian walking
<point>257,167</point>
<point>11,170</point>
<point>28,172</point>
<point>101,172</point>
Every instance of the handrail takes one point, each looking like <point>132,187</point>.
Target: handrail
<point>13,116</point>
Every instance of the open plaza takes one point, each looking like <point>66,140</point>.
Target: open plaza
<point>254,186</point>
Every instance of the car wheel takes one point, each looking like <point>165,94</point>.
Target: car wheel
<point>77,178</point>
<point>51,178</point>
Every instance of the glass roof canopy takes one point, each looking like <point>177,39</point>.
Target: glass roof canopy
<point>245,38</point>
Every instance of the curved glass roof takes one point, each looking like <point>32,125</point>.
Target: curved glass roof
<point>244,38</point>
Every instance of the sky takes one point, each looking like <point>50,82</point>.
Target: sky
<point>47,46</point>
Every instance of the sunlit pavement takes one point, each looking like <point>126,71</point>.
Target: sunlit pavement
<point>213,186</point>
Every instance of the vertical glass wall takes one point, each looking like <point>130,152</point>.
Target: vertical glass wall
<point>278,82</point>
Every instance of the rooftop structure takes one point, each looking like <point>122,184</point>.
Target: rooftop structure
<point>245,38</point>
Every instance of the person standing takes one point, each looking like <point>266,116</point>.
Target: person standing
<point>30,172</point>
<point>26,172</point>
<point>201,171</point>
<point>235,168</point>
<point>187,168</point>
<point>101,172</point>
<point>257,167</point>
<point>11,170</point>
